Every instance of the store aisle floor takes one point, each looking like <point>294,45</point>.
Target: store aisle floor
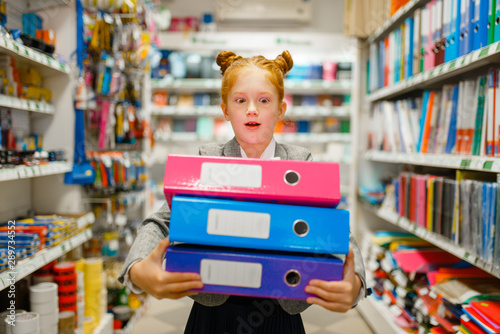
<point>170,316</point>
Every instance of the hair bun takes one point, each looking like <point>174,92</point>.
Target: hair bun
<point>225,59</point>
<point>284,61</point>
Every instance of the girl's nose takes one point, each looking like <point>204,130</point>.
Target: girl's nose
<point>252,109</point>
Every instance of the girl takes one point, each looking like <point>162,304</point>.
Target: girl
<point>252,100</point>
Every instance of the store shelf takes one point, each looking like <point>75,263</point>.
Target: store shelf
<point>28,57</point>
<point>378,316</point>
<point>444,73</point>
<point>27,266</point>
<point>302,112</point>
<point>26,172</point>
<point>105,325</point>
<point>397,19</point>
<point>329,158</point>
<point>269,44</point>
<point>186,111</point>
<point>29,105</point>
<point>317,87</point>
<point>291,86</point>
<point>436,239</point>
<point>312,138</point>
<point>36,5</point>
<point>477,163</point>
<point>138,314</point>
<point>303,138</point>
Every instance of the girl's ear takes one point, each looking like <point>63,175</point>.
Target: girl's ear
<point>224,111</point>
<point>282,110</point>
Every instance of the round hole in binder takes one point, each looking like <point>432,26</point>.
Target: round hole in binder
<point>292,178</point>
<point>292,278</point>
<point>301,228</point>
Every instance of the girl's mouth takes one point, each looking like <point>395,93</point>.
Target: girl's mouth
<point>252,124</point>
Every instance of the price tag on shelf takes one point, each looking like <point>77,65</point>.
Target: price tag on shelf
<point>8,44</point>
<point>487,165</point>
<point>24,271</point>
<point>37,262</point>
<point>495,166</point>
<point>36,170</point>
<point>53,253</point>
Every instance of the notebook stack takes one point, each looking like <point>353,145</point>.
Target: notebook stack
<point>255,227</point>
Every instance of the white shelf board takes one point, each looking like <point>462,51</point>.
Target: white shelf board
<point>292,86</point>
<point>186,111</point>
<point>28,57</point>
<point>318,111</point>
<point>138,314</point>
<point>329,158</point>
<point>27,266</point>
<point>482,58</point>
<point>396,19</point>
<point>437,240</point>
<point>270,44</point>
<point>23,104</point>
<point>105,325</point>
<point>304,138</point>
<point>378,316</point>
<point>294,112</point>
<point>476,163</point>
<point>26,172</point>
<point>37,5</point>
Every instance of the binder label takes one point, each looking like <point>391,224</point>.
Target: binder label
<point>231,273</point>
<point>231,175</point>
<point>239,223</point>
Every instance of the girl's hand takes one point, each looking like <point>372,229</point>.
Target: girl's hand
<point>336,296</point>
<point>149,275</point>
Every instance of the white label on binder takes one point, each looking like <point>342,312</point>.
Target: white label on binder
<point>239,223</point>
<point>231,273</point>
<point>231,175</point>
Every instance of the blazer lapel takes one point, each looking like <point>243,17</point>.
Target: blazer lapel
<point>232,149</point>
<point>280,152</point>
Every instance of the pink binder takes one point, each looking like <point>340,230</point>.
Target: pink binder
<point>281,181</point>
<point>430,56</point>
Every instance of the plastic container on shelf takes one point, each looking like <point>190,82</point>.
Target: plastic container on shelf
<point>207,23</point>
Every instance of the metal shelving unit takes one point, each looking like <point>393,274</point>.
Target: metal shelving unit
<point>28,266</point>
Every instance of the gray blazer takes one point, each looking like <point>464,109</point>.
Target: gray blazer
<point>155,228</point>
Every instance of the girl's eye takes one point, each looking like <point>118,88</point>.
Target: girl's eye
<point>240,100</point>
<point>264,100</point>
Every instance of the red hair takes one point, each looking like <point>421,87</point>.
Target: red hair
<point>232,65</point>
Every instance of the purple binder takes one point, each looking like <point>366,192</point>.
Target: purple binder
<point>253,272</point>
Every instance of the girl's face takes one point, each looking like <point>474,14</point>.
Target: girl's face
<point>253,108</point>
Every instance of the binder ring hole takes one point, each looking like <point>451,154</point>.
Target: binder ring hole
<point>292,278</point>
<point>292,178</point>
<point>301,228</point>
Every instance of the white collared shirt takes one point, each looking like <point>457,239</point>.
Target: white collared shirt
<point>268,152</point>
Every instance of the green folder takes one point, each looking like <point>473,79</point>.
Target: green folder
<point>476,139</point>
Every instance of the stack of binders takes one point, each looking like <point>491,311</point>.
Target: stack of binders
<point>255,227</point>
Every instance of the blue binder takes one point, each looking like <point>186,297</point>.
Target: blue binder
<point>408,60</point>
<point>496,35</point>
<point>466,15</point>
<point>453,39</point>
<point>219,222</point>
<point>253,273</point>
<point>452,132</point>
<point>480,24</point>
